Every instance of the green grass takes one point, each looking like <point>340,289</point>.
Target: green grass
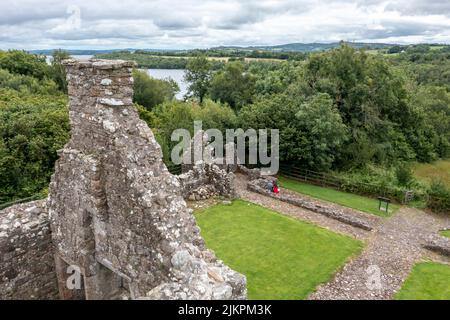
<point>437,170</point>
<point>427,281</point>
<point>345,199</point>
<point>446,233</point>
<point>283,258</point>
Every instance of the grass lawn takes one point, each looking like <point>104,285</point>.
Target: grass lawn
<point>427,281</point>
<point>446,233</point>
<point>345,199</point>
<point>283,258</point>
<point>438,170</point>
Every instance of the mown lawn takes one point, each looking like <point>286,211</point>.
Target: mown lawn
<point>439,170</point>
<point>446,233</point>
<point>427,281</point>
<point>282,258</point>
<point>345,199</point>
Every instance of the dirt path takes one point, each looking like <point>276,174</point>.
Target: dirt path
<point>391,251</point>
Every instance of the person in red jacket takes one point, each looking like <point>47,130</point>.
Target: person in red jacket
<point>275,188</point>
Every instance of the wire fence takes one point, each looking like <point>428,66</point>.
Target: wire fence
<point>343,184</point>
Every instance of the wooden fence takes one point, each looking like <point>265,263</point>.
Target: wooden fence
<point>340,183</point>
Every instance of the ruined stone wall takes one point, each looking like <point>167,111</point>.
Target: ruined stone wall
<point>27,267</point>
<point>116,211</point>
<point>204,179</point>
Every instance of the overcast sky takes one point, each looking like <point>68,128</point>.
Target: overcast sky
<point>185,24</point>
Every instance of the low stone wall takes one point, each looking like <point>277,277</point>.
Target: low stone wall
<point>258,186</point>
<point>438,244</point>
<point>27,266</point>
<point>252,174</point>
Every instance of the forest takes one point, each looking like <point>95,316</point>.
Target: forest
<point>366,116</point>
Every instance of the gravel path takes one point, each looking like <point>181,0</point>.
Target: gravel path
<point>393,247</point>
<point>392,251</point>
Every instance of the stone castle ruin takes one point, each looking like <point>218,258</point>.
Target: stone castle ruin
<point>115,216</point>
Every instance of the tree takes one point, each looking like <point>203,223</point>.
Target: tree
<point>198,75</point>
<point>58,71</point>
<point>323,131</point>
<point>311,131</point>
<point>21,62</point>
<point>233,85</point>
<point>173,115</point>
<point>32,129</point>
<point>150,92</point>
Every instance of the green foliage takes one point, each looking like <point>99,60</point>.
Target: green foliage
<point>198,75</point>
<point>439,197</point>
<point>322,129</point>
<point>147,60</point>
<point>146,115</point>
<point>404,174</point>
<point>263,244</point>
<point>27,84</point>
<point>20,62</point>
<point>150,92</point>
<point>232,85</point>
<point>310,130</point>
<point>32,129</point>
<point>58,72</point>
<point>173,115</point>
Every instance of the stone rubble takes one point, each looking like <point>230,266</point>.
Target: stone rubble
<point>438,244</point>
<point>206,179</point>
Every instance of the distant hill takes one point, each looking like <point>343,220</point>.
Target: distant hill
<point>289,47</point>
<point>310,47</point>
<point>78,52</point>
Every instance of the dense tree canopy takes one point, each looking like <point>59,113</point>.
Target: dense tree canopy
<point>233,85</point>
<point>32,128</point>
<point>150,92</point>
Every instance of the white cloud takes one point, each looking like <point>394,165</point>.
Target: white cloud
<point>197,23</point>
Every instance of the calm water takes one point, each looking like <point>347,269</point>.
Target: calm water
<point>78,57</point>
<point>176,75</point>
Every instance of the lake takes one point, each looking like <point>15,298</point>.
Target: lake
<point>176,75</point>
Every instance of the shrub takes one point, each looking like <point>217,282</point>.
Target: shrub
<point>439,197</point>
<point>404,175</point>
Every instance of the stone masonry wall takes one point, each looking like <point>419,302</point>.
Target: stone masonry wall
<point>116,211</point>
<point>27,266</point>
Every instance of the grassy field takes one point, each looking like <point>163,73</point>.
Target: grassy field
<point>446,233</point>
<point>427,281</point>
<point>437,170</point>
<point>282,258</point>
<point>350,200</point>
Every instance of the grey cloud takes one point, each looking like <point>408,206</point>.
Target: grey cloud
<point>421,7</point>
<point>196,23</point>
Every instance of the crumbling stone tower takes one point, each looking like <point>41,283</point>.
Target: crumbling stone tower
<point>116,212</point>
